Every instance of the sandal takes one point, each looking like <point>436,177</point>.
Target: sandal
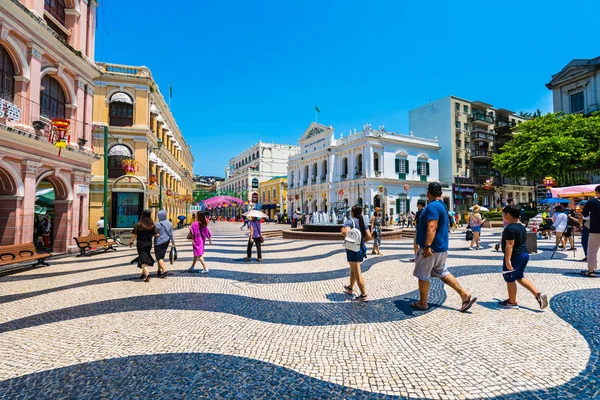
<point>416,306</point>
<point>467,304</point>
<point>348,290</point>
<point>589,274</point>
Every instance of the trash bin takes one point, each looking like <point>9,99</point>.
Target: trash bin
<point>531,242</point>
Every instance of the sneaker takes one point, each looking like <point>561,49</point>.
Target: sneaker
<point>507,304</point>
<point>348,290</point>
<point>191,269</point>
<point>497,246</point>
<point>204,271</point>
<point>542,299</point>
<point>362,298</point>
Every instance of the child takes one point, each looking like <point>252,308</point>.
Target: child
<point>516,258</point>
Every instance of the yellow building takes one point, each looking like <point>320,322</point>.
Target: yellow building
<point>143,135</point>
<point>273,195</point>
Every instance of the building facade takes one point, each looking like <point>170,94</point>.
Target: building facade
<point>148,158</point>
<point>273,195</point>
<point>373,168</point>
<point>47,78</point>
<point>259,163</point>
<point>576,88</point>
<point>469,133</point>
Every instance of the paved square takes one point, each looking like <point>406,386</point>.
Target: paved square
<point>88,328</point>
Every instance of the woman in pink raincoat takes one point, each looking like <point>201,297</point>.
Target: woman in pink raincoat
<point>200,234</point>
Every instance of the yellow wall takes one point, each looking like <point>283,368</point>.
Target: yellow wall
<point>269,185</point>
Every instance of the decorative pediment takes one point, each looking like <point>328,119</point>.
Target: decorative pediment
<point>315,129</point>
<point>570,73</point>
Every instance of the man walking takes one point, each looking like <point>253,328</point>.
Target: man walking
<point>592,210</point>
<point>430,261</point>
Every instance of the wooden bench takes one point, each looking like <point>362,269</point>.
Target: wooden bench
<point>94,241</point>
<point>21,253</point>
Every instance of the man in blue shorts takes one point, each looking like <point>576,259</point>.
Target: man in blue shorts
<point>430,260</point>
<point>514,239</point>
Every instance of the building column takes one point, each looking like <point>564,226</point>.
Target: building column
<point>30,170</point>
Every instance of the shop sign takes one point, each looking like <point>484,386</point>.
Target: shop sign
<point>9,111</point>
<point>464,190</point>
<point>83,189</point>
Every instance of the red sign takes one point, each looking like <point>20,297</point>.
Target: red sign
<point>406,187</point>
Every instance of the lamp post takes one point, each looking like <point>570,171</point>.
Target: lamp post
<point>159,143</point>
<point>105,191</point>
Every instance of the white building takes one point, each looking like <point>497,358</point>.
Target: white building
<point>259,163</point>
<point>470,132</point>
<point>352,169</point>
<point>576,88</point>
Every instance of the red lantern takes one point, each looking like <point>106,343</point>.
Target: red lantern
<point>406,187</point>
<point>169,192</point>
<point>549,182</point>
<point>129,166</point>
<point>61,137</point>
<point>152,181</point>
<point>487,185</point>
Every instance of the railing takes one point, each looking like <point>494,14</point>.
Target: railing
<point>482,135</point>
<point>485,172</point>
<point>482,117</point>
<point>123,69</point>
<point>482,153</point>
<point>504,122</point>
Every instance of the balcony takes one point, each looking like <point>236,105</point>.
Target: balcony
<point>313,181</point>
<point>482,154</point>
<point>358,175</point>
<point>343,177</point>
<point>458,143</point>
<point>501,122</point>
<point>484,172</point>
<point>480,134</point>
<point>482,118</point>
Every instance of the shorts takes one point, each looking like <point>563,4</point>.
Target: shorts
<point>430,267</point>
<point>569,232</point>
<point>476,229</point>
<point>519,262</point>
<point>356,256</point>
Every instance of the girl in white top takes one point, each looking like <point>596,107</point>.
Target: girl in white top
<point>559,220</point>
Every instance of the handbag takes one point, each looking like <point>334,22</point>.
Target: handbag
<point>352,239</point>
<point>469,235</point>
<point>261,239</point>
<point>172,255</point>
<point>189,235</point>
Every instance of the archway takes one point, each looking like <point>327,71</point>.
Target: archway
<point>11,194</point>
<point>52,207</point>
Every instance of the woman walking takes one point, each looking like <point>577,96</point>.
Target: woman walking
<point>161,242</point>
<point>144,231</point>
<point>355,257</point>
<point>200,233</point>
<point>254,237</point>
<point>475,221</point>
<point>560,221</point>
<point>376,229</point>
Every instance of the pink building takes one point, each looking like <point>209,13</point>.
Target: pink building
<point>46,72</point>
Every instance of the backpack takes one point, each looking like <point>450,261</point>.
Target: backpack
<point>352,239</point>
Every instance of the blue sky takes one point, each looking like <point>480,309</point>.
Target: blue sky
<point>248,71</point>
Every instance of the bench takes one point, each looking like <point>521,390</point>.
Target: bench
<point>20,253</point>
<point>93,241</point>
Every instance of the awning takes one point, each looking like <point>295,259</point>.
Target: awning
<point>121,98</point>
<point>574,191</point>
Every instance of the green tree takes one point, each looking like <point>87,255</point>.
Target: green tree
<point>550,145</point>
<point>530,115</point>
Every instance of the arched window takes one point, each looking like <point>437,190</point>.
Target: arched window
<point>359,165</point>
<point>52,98</point>
<point>401,165</point>
<point>7,76</point>
<point>305,180</point>
<point>344,168</point>
<point>292,181</point>
<point>274,194</point>
<point>121,110</point>
<point>116,155</point>
<point>376,162</point>
<point>56,8</point>
<point>314,173</point>
<point>257,154</point>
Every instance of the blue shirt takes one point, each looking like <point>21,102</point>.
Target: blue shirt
<point>436,210</point>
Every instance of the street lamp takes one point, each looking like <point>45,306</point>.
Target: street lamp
<point>159,143</point>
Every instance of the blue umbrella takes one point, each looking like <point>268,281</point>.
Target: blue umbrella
<point>552,200</point>
<point>181,217</point>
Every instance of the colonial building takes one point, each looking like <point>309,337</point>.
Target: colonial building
<point>576,88</point>
<point>46,91</point>
<point>374,168</point>
<point>469,133</point>
<point>273,195</point>
<point>149,161</point>
<point>259,163</point>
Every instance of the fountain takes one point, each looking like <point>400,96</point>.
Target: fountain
<point>324,222</point>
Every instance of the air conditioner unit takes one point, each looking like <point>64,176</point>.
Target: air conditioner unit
<point>458,130</point>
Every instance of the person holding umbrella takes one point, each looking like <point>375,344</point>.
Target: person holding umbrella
<point>255,236</point>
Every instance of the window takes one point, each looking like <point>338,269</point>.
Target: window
<point>466,127</point>
<point>466,109</point>
<point>263,197</point>
<point>577,102</point>
<point>401,167</point>
<point>457,106</point>
<point>376,162</point>
<point>359,164</point>
<point>324,171</point>
<point>121,110</point>
<point>402,204</point>
<point>52,98</point>
<point>7,76</point>
<point>423,170</point>
<point>457,124</point>
<point>274,194</point>
<point>345,168</point>
<point>116,155</point>
<point>56,8</point>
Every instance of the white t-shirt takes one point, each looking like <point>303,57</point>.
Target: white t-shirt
<point>101,224</point>
<point>560,222</point>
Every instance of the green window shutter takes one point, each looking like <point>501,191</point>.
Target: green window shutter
<point>407,205</point>
<point>427,166</point>
<point>405,166</point>
<point>397,165</point>
<point>397,206</point>
<point>401,176</point>
<point>423,178</point>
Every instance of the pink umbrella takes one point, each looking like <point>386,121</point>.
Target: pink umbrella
<point>219,200</point>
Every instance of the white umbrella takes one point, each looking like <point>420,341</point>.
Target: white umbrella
<point>255,214</point>
<point>480,209</point>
